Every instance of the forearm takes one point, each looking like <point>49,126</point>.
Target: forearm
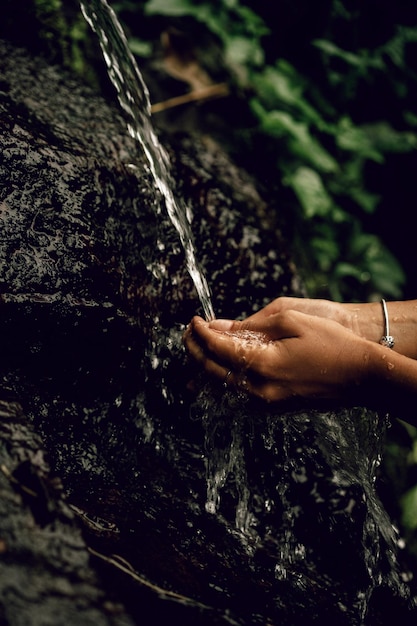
<point>367,320</point>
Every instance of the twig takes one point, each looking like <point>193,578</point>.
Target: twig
<point>123,565</point>
<point>219,90</point>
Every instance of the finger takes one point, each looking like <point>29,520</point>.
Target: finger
<point>247,381</point>
<point>266,390</point>
<point>281,325</point>
<point>246,331</point>
<point>228,347</point>
<point>197,351</point>
<point>283,303</point>
<point>269,391</point>
<point>193,347</point>
<point>196,345</point>
<point>224,325</point>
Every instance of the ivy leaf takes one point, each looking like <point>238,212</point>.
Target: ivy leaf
<point>311,192</point>
<point>365,199</point>
<point>362,61</point>
<point>281,85</point>
<point>302,143</point>
<point>344,269</point>
<point>326,251</point>
<point>356,139</point>
<point>387,275</point>
<point>409,506</point>
<point>387,139</point>
<point>242,51</point>
<point>161,7</point>
<point>140,48</point>
<point>177,8</point>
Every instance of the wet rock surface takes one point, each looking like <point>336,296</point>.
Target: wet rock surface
<point>94,378</point>
<point>45,571</point>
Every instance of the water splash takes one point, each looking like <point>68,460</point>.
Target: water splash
<point>227,441</point>
<point>133,97</point>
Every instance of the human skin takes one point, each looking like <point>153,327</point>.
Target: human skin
<point>299,347</point>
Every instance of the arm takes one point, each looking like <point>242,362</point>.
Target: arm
<point>366,319</point>
<point>282,352</point>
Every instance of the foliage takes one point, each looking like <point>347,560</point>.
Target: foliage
<point>312,124</point>
<point>320,152</point>
<point>53,28</point>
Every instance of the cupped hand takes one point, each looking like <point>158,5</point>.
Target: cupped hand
<point>278,355</point>
<point>344,314</point>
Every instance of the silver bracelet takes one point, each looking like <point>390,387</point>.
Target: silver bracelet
<point>387,339</point>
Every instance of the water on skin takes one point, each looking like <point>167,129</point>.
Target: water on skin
<point>133,98</point>
<point>248,338</point>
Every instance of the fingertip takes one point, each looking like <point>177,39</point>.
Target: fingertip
<point>197,326</point>
<point>195,321</point>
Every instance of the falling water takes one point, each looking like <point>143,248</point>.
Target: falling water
<point>133,98</point>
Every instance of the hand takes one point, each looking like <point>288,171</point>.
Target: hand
<point>348,315</point>
<point>278,355</point>
<point>364,319</point>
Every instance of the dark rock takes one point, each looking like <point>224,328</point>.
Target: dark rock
<point>45,571</point>
<point>94,300</point>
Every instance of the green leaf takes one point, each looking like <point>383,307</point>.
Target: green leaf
<point>347,269</point>
<point>310,191</point>
<point>357,139</point>
<point>281,85</point>
<point>139,47</point>
<point>410,117</point>
<point>395,48</point>
<point>301,142</point>
<point>373,140</point>
<point>258,110</point>
<point>367,200</point>
<point>254,25</point>
<point>409,506</point>
<point>242,51</point>
<point>175,7</point>
<point>387,139</point>
<point>326,252</point>
<point>362,61</point>
<point>387,276</point>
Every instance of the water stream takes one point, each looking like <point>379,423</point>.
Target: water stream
<point>133,97</point>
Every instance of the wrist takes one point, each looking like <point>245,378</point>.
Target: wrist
<point>366,320</point>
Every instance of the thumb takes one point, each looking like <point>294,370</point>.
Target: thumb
<point>276,326</point>
<point>224,325</point>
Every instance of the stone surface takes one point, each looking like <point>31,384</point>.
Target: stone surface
<point>93,375</point>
